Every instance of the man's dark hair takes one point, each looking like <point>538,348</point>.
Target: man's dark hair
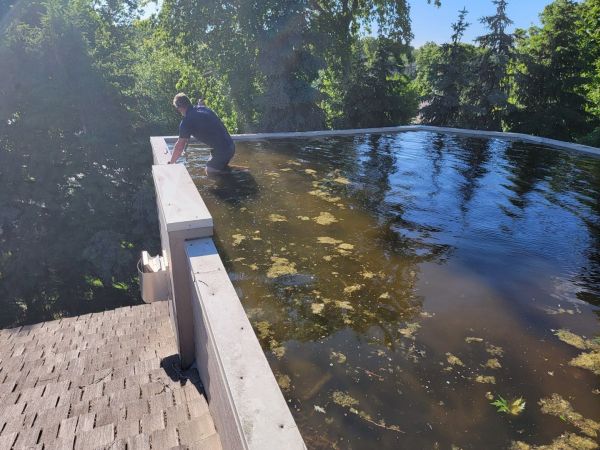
<point>182,100</point>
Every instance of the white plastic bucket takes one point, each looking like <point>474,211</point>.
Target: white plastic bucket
<point>154,286</point>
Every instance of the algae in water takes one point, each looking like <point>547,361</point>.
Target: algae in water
<point>485,379</point>
<point>344,399</point>
<point>237,239</point>
<point>493,364</point>
<point>281,266</point>
<point>559,407</point>
<point>571,339</point>
<point>317,308</point>
<point>277,218</point>
<point>410,330</point>
<point>338,356</point>
<point>494,350</point>
<point>325,218</point>
<point>284,382</point>
<point>454,360</point>
<point>567,441</point>
<point>353,288</point>
<point>328,240</point>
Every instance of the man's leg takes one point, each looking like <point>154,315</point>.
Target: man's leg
<point>219,160</point>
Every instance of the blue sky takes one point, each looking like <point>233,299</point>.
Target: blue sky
<point>433,24</point>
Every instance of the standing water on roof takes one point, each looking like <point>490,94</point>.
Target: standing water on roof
<point>420,290</point>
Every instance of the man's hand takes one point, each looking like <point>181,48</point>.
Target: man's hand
<point>178,150</point>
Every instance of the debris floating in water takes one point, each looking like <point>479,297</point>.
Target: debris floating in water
<point>238,239</point>
<point>319,409</point>
<point>559,407</point>
<point>485,379</point>
<point>281,266</point>
<point>342,180</point>
<point>343,305</point>
<point>344,399</point>
<point>493,364</point>
<point>454,360</point>
<point>410,330</point>
<point>277,218</point>
<point>353,288</point>
<point>566,441</point>
<point>317,308</point>
<point>325,218</point>
<point>328,240</point>
<point>586,360</point>
<point>494,350</point>
<point>284,382</point>
<point>338,356</point>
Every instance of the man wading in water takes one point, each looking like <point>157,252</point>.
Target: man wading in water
<point>202,123</point>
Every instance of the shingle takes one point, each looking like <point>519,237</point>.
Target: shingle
<point>152,422</point>
<point>196,430</point>
<point>139,442</point>
<point>164,438</point>
<point>98,437</point>
<point>96,381</point>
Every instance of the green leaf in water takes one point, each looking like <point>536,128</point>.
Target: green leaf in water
<point>514,407</point>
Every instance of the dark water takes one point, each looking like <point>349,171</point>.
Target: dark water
<point>390,277</point>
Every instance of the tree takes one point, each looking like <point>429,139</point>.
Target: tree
<point>288,68</point>
<point>452,76</point>
<point>378,93</point>
<point>550,75</point>
<point>490,93</point>
<point>427,60</point>
<point>71,170</point>
<point>588,31</point>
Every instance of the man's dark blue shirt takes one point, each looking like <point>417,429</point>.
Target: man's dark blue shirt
<point>202,123</point>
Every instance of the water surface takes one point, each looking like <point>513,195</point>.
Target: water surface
<point>399,283</point>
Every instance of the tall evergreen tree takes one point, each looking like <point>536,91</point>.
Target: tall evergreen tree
<point>444,106</point>
<point>490,93</point>
<point>550,76</point>
<point>378,94</point>
<point>588,30</point>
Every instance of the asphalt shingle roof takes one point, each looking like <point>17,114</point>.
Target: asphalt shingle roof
<point>103,380</point>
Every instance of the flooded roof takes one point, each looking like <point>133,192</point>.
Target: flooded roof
<point>103,380</point>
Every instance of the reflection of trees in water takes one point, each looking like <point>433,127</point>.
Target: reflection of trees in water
<point>527,169</point>
<point>384,263</point>
<point>475,155</point>
<point>566,180</point>
<point>435,153</point>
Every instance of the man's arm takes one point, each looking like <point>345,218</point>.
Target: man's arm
<point>178,149</point>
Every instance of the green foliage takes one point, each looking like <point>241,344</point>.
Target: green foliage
<point>513,407</point>
<point>378,93</point>
<point>450,79</point>
<point>550,75</point>
<point>427,60</point>
<point>488,96</point>
<point>71,167</point>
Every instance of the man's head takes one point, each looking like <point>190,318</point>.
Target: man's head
<point>182,103</point>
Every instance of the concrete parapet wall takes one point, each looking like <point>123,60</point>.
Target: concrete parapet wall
<point>182,215</point>
<point>459,131</point>
<point>246,403</point>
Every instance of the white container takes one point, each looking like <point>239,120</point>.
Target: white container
<point>154,286</point>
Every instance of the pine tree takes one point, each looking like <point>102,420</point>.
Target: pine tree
<point>444,105</point>
<point>377,94</point>
<point>550,75</point>
<point>490,93</point>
